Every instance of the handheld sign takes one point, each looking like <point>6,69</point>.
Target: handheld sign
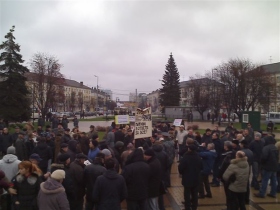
<point>122,119</point>
<point>177,122</point>
<point>143,123</point>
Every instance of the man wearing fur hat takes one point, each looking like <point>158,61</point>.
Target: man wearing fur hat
<point>52,194</point>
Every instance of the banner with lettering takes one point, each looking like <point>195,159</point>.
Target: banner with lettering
<point>122,119</point>
<point>143,123</point>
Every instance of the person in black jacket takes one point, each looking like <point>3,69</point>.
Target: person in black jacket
<point>219,147</point>
<point>227,156</point>
<point>136,173</point>
<point>154,180</point>
<point>77,174</point>
<point>45,153</point>
<point>190,168</point>
<point>256,147</point>
<point>269,162</point>
<point>109,189</point>
<point>6,141</point>
<point>68,184</point>
<point>164,161</point>
<point>91,173</point>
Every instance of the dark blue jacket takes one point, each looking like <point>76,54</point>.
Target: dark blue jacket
<point>208,159</point>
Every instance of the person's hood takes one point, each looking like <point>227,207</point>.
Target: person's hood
<point>51,186</point>
<point>240,162</point>
<point>110,128</point>
<point>10,158</point>
<point>157,147</point>
<point>111,174</point>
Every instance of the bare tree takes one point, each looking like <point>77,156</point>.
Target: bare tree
<point>47,79</point>
<point>199,90</point>
<point>245,84</point>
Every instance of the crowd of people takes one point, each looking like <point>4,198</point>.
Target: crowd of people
<point>56,168</point>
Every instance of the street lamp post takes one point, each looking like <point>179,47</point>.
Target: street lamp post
<point>97,92</point>
<point>33,103</point>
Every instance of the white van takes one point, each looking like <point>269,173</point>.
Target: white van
<point>273,117</point>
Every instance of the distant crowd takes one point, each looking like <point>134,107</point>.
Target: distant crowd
<point>59,168</point>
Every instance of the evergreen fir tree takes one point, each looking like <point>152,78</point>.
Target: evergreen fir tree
<point>170,91</point>
<point>14,100</point>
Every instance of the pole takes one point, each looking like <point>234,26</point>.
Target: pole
<point>33,102</point>
<point>136,99</point>
<point>97,105</point>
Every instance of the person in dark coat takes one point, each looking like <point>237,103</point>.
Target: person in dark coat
<point>269,163</point>
<point>91,173</point>
<point>219,147</point>
<point>75,122</point>
<point>30,144</point>
<point>154,180</point>
<point>15,134</point>
<point>21,150</point>
<point>118,150</point>
<point>256,147</point>
<point>64,122</point>
<point>109,189</point>
<point>190,168</point>
<point>164,162</point>
<point>6,141</point>
<point>52,194</point>
<point>227,156</point>
<point>136,173</point>
<point>27,186</point>
<point>77,174</point>
<point>54,121</point>
<point>119,135</point>
<point>63,162</point>
<point>250,158</point>
<point>208,158</point>
<point>41,121</point>
<point>66,137</point>
<point>45,153</point>
<point>206,138</point>
<point>84,143</point>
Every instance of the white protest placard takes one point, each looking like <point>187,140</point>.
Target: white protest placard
<point>131,118</point>
<point>177,122</point>
<point>122,119</point>
<point>143,123</point>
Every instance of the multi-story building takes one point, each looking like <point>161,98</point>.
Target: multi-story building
<point>66,95</point>
<point>153,100</point>
<point>274,100</point>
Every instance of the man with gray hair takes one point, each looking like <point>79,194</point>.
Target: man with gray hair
<point>256,147</point>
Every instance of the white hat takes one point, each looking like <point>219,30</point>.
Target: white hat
<point>58,174</point>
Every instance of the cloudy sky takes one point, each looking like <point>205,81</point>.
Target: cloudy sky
<point>127,43</point>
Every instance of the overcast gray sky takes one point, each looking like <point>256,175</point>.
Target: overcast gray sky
<point>128,43</point>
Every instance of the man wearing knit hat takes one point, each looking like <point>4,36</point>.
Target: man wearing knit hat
<point>52,194</point>
<point>155,179</point>
<point>108,155</point>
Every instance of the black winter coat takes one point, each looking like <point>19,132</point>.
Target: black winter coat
<point>190,167</point>
<point>27,191</point>
<point>91,173</point>
<point>77,175</point>
<point>155,177</point>
<point>45,153</point>
<point>68,182</point>
<point>136,173</point>
<point>163,159</point>
<point>109,191</point>
<point>269,158</point>
<point>256,147</point>
<point>6,141</point>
